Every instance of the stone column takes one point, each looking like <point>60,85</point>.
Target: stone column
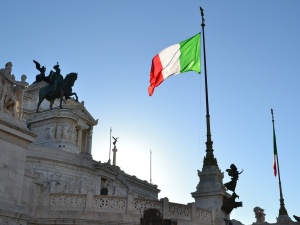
<point>79,138</point>
<point>114,155</point>
<point>97,184</point>
<point>89,138</point>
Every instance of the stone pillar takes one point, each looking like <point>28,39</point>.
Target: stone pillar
<point>130,204</point>
<point>89,137</point>
<point>79,138</point>
<point>210,193</point>
<point>114,155</point>
<point>89,204</point>
<point>97,185</point>
<point>165,208</point>
<point>193,211</point>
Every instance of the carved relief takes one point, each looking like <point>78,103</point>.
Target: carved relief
<point>119,190</point>
<point>73,134</point>
<point>85,185</point>
<point>7,221</point>
<point>42,181</point>
<point>66,134</point>
<point>141,188</point>
<point>59,131</point>
<point>56,183</point>
<point>50,131</point>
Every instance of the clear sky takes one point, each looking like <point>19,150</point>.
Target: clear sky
<point>252,64</point>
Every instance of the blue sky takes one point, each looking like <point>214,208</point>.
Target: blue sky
<point>252,64</point>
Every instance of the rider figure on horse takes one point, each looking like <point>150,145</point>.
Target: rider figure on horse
<point>56,78</point>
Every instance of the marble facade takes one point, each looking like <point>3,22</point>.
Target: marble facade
<point>48,174</point>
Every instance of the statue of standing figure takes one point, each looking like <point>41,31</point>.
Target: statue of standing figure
<point>234,173</point>
<point>11,91</point>
<point>229,203</point>
<point>259,215</point>
<point>19,92</point>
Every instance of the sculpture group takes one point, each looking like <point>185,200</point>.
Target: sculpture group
<point>57,88</point>
<point>11,91</point>
<point>229,203</point>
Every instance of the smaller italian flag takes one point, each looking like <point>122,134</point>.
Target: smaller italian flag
<point>275,152</point>
<point>178,58</point>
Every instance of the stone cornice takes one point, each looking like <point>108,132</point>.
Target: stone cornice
<point>15,130</point>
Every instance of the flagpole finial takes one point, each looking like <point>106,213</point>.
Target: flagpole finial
<point>202,15</point>
<point>272,115</point>
<point>202,11</point>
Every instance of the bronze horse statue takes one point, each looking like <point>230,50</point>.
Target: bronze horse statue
<point>52,92</point>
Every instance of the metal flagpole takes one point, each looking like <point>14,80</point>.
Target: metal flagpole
<point>150,166</point>
<point>209,159</point>
<point>282,210</point>
<point>109,145</point>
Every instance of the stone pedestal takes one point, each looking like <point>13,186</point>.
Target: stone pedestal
<point>284,220</point>
<point>210,192</point>
<point>14,140</point>
<point>56,129</point>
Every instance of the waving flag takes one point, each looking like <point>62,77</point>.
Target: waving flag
<point>178,58</point>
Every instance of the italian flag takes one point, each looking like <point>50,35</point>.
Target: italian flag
<point>275,152</point>
<point>178,58</point>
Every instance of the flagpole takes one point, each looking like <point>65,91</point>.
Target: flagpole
<point>282,210</point>
<point>209,159</point>
<point>150,166</point>
<point>109,145</point>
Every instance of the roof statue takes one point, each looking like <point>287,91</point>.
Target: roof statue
<point>259,215</point>
<point>41,76</point>
<point>234,173</point>
<point>115,141</point>
<point>229,203</point>
<point>11,91</point>
<point>58,87</point>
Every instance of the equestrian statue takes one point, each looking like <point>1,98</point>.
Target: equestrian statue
<point>58,87</point>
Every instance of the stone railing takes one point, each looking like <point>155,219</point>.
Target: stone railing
<point>68,200</point>
<point>184,214</point>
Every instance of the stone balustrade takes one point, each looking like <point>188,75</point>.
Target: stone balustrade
<point>184,214</point>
